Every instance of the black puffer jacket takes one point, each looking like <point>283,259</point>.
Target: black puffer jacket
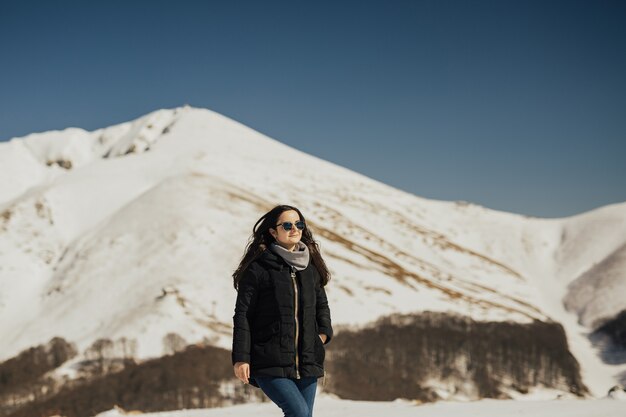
<point>265,324</point>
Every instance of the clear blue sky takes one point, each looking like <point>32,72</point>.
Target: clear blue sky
<point>517,106</point>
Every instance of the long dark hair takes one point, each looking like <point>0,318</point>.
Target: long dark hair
<point>261,238</point>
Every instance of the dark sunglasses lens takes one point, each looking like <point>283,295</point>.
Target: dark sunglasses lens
<point>300,225</point>
<point>287,225</point>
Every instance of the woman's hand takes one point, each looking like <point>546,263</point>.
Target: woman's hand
<point>242,371</point>
<point>323,337</point>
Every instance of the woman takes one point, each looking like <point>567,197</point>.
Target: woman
<point>282,319</point>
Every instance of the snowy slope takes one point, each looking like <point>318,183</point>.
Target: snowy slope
<point>330,406</point>
<point>134,230</point>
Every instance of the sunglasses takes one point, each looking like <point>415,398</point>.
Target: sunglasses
<point>289,225</point>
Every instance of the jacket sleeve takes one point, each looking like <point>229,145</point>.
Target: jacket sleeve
<point>323,314</point>
<point>244,309</point>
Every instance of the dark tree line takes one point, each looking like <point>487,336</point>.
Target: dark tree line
<point>398,355</point>
<point>197,377</point>
<point>23,378</point>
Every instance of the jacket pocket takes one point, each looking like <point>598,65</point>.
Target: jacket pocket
<point>265,349</point>
<point>265,333</point>
<point>320,350</point>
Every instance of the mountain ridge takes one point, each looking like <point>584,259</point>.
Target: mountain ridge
<point>100,235</point>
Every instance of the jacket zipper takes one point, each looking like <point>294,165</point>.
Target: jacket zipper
<point>295,291</point>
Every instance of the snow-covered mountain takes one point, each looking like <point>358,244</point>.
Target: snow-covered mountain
<point>134,231</point>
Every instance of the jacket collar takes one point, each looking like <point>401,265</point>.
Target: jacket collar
<point>272,260</point>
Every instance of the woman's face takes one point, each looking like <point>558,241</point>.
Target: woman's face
<point>287,238</point>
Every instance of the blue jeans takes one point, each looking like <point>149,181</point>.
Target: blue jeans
<point>294,396</point>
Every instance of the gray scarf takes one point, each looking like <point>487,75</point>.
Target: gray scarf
<point>299,258</point>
